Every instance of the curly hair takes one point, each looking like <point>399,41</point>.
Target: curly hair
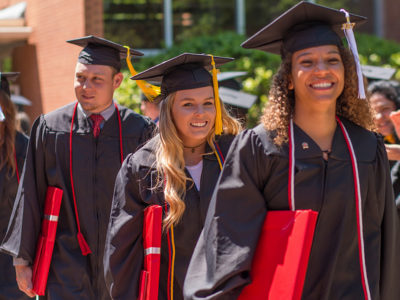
<point>170,162</point>
<point>280,107</point>
<point>7,134</point>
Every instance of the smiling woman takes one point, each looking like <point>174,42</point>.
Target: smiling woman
<point>313,151</point>
<point>177,170</point>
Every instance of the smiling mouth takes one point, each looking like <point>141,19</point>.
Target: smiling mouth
<point>199,124</point>
<point>87,97</point>
<point>322,85</point>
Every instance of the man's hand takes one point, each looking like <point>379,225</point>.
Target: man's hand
<point>24,279</point>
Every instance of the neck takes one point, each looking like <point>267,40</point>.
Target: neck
<point>194,154</point>
<point>320,126</point>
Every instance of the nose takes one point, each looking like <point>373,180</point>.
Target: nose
<point>199,110</point>
<point>86,84</point>
<point>321,66</point>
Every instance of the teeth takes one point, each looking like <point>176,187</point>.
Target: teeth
<point>199,124</point>
<point>322,85</point>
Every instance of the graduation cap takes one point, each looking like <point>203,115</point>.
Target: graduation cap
<point>230,75</point>
<point>187,71</point>
<point>378,73</point>
<point>237,98</point>
<point>4,81</point>
<point>99,51</point>
<point>307,25</point>
<point>229,90</point>
<point>5,86</point>
<point>20,100</point>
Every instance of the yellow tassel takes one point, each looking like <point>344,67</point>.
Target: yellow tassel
<point>149,90</point>
<point>390,139</point>
<point>218,115</point>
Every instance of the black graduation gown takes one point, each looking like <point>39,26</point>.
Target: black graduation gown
<point>255,179</point>
<point>95,165</point>
<point>8,190</point>
<point>123,259</point>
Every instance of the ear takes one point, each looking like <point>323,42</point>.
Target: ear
<point>117,80</point>
<point>290,84</point>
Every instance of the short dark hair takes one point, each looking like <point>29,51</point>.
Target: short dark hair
<point>389,89</point>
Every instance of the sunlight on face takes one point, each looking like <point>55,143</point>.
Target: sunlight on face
<point>193,112</point>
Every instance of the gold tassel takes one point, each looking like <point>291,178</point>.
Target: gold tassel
<point>149,90</point>
<point>390,139</point>
<point>218,115</point>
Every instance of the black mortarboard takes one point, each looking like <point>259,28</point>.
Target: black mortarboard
<point>187,71</point>
<point>228,80</point>
<point>237,98</point>
<point>183,72</point>
<point>305,25</point>
<point>99,51</point>
<point>4,78</point>
<point>229,90</point>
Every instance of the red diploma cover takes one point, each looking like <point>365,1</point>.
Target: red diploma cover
<point>45,245</point>
<point>150,275</point>
<point>280,261</point>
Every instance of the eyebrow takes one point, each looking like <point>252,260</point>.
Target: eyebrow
<point>192,99</point>
<point>309,53</point>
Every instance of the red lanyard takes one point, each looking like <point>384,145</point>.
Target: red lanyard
<point>361,251</point>
<point>82,242</point>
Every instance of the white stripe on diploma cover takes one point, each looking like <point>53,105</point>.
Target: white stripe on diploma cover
<point>51,218</point>
<point>152,250</point>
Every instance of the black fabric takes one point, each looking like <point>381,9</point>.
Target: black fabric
<point>99,51</point>
<point>272,36</point>
<point>8,190</point>
<point>185,77</point>
<point>134,191</point>
<point>311,34</point>
<point>254,181</point>
<point>96,162</point>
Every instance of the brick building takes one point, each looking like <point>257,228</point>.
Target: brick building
<point>45,60</point>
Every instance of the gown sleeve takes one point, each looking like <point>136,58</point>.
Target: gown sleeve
<point>390,229</point>
<point>123,257</point>
<point>25,221</point>
<point>221,262</point>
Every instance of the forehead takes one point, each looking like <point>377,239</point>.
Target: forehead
<point>379,100</point>
<point>200,93</point>
<point>93,69</point>
<point>319,50</point>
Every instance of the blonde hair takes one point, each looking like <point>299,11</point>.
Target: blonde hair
<point>280,106</point>
<point>170,162</point>
<point>7,134</point>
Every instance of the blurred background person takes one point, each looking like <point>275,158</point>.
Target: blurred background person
<point>13,146</point>
<point>385,99</point>
<point>236,101</point>
<point>150,109</point>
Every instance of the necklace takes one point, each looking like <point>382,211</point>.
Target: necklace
<point>193,147</point>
